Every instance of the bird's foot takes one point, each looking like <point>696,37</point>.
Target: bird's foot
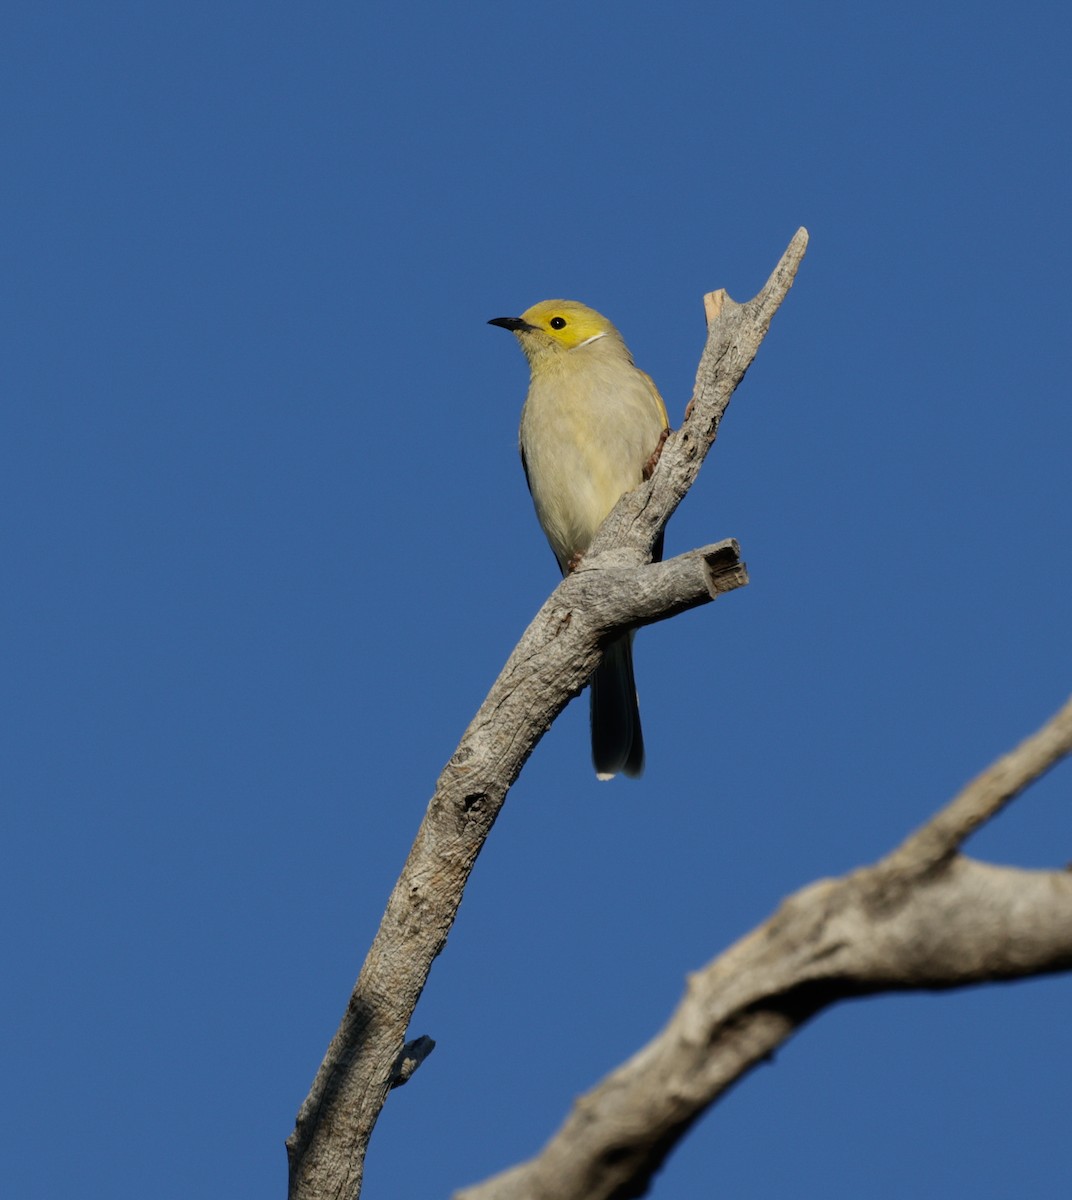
<point>649,466</point>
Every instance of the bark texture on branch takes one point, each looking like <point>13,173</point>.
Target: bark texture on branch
<point>615,587</point>
<point>923,917</point>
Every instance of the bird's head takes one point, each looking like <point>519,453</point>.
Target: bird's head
<point>555,327</point>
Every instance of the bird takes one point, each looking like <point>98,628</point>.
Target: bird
<point>591,427</point>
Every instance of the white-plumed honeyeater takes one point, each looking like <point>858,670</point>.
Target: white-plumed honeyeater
<point>591,423</point>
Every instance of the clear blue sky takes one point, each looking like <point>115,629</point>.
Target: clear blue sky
<point>266,543</point>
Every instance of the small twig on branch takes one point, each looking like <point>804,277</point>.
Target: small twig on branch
<point>410,1058</point>
<point>988,793</point>
<point>911,921</point>
<point>615,587</point>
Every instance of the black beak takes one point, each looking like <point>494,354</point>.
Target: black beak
<point>514,324</point>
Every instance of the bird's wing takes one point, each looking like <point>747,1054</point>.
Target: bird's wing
<point>656,397</point>
<point>525,467</point>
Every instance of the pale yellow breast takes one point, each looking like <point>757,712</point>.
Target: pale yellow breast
<point>587,430</point>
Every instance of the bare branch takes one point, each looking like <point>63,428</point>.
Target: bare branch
<point>734,333</point>
<point>615,586</point>
<point>988,794</point>
<point>914,920</point>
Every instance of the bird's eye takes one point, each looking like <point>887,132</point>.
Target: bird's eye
<point>557,322</point>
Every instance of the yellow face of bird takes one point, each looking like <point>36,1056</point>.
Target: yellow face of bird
<point>556,326</point>
<point>567,322</point>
